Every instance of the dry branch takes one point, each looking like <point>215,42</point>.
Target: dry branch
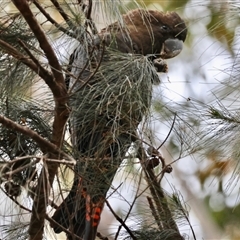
<point>51,20</point>
<point>61,11</point>
<point>43,144</point>
<point>162,209</point>
<point>59,91</point>
<point>26,12</point>
<point>43,73</point>
<point>121,221</point>
<point>63,228</point>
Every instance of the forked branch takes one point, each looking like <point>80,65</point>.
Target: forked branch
<point>58,88</point>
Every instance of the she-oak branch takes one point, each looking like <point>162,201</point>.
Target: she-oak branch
<point>61,114</point>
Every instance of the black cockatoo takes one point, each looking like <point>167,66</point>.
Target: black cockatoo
<point>111,84</point>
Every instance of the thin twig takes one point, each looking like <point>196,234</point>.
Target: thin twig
<point>158,197</point>
<point>9,173</point>
<point>89,23</point>
<point>95,70</point>
<point>100,236</point>
<point>189,223</point>
<point>89,12</point>
<point>27,61</point>
<point>17,159</point>
<point>68,214</point>
<point>15,201</point>
<point>120,220</point>
<point>62,12</point>
<point>166,138</point>
<point>51,20</point>
<point>72,58</point>
<point>63,228</point>
<point>34,162</point>
<point>130,209</point>
<point>45,74</point>
<point>43,144</point>
<point>154,212</point>
<point>26,12</point>
<point>115,190</point>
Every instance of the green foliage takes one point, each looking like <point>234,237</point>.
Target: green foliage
<point>172,5</point>
<point>219,26</point>
<point>226,216</point>
<point>13,144</point>
<point>14,28</point>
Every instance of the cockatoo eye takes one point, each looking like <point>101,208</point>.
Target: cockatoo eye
<point>164,28</point>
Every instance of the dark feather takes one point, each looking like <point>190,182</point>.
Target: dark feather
<point>108,105</point>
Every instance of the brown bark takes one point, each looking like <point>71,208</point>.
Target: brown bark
<point>162,213</point>
<point>59,91</point>
<point>43,144</point>
<point>37,68</point>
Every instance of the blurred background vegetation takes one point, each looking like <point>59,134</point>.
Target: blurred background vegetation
<point>202,90</point>
<point>202,87</point>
